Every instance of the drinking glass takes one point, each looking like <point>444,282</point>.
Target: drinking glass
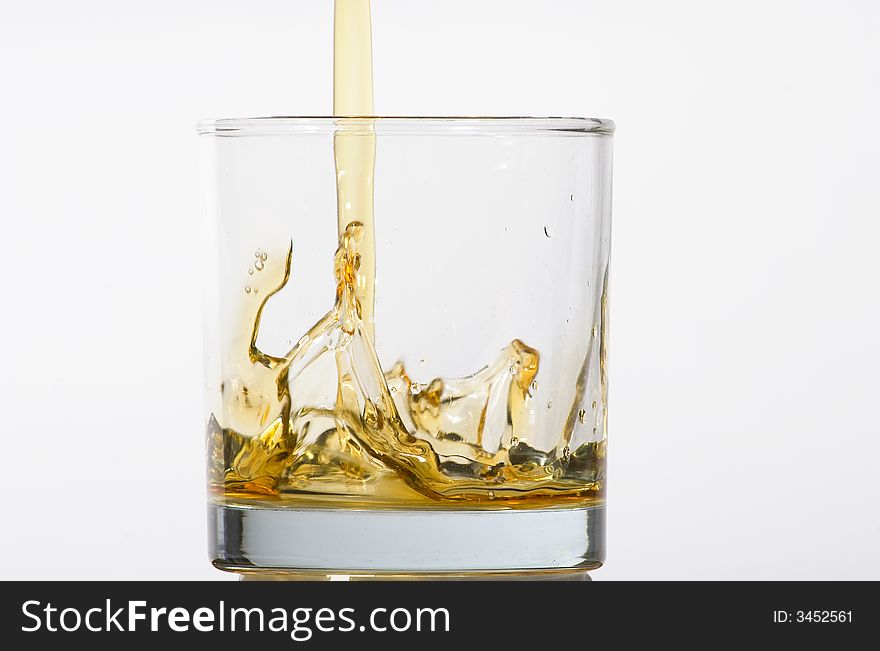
<point>464,432</point>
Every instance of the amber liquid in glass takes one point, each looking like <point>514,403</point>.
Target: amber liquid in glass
<point>325,424</point>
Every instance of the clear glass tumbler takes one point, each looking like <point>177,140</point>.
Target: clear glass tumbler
<point>458,425</point>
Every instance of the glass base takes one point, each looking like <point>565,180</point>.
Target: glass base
<point>294,575</point>
<point>347,544</point>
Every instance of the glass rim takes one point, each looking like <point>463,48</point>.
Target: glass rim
<point>475,125</point>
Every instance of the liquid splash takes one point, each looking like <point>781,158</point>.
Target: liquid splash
<point>325,422</point>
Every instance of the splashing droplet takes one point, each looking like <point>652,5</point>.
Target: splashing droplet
<point>548,232</point>
<point>247,289</point>
<point>550,404</point>
<point>259,265</point>
<point>534,386</point>
<point>582,415</point>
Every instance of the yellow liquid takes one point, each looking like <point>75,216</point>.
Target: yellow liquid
<point>354,145</point>
<point>326,424</point>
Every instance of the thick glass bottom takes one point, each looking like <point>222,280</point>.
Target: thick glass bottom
<point>312,543</point>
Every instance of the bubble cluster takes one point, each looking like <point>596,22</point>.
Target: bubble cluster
<point>259,264</point>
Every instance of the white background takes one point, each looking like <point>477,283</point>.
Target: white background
<point>744,352</point>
